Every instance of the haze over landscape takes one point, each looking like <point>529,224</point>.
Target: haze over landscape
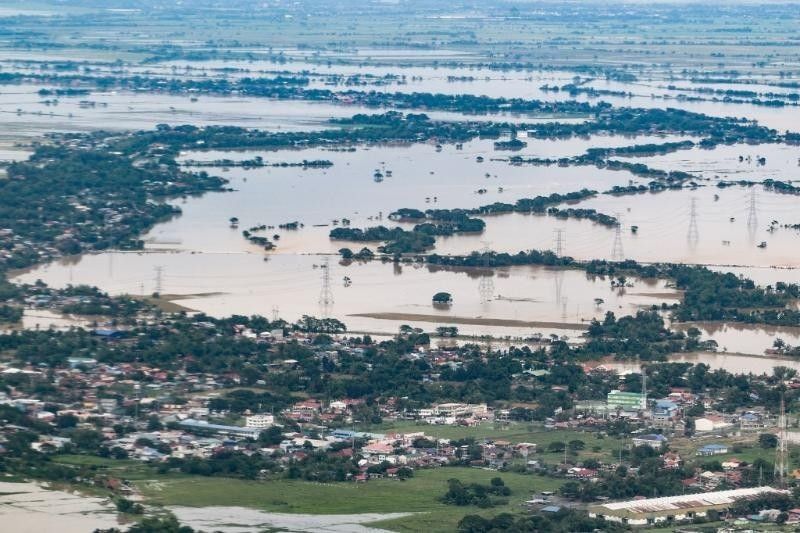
<point>400,265</point>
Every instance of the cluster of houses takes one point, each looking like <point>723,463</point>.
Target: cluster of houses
<point>158,427</point>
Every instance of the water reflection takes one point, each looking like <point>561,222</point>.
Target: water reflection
<point>223,284</point>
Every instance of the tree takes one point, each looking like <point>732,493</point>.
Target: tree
<point>443,298</point>
<point>86,439</point>
<point>767,441</point>
<point>576,445</point>
<point>154,524</point>
<point>473,523</point>
<point>153,423</point>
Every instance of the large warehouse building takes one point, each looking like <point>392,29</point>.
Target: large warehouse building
<point>675,508</point>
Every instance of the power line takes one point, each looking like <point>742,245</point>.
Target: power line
<point>617,253</point>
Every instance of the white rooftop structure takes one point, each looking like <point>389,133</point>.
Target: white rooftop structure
<point>654,510</point>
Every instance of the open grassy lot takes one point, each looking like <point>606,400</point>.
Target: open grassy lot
<point>602,448</point>
<point>417,495</point>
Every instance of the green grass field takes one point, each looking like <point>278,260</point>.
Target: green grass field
<point>514,433</point>
<point>417,495</point>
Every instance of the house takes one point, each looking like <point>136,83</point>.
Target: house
<point>671,460</point>
<point>581,473</point>
<point>712,449</point>
<point>732,464</point>
<point>751,421</point>
<point>108,334</point>
<point>259,421</point>
<point>710,423</point>
<point>664,414</point>
<point>200,426</point>
<point>654,440</point>
<point>305,410</point>
<point>380,451</point>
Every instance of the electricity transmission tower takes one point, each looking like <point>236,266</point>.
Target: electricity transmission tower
<point>275,313</point>
<point>693,235</point>
<point>617,253</point>
<point>559,241</point>
<point>326,294</point>
<point>781,452</point>
<point>752,214</point>
<point>486,283</point>
<point>159,279</point>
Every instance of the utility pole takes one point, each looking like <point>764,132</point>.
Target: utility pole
<point>693,235</point>
<point>781,452</point>
<point>617,253</point>
<point>644,390</point>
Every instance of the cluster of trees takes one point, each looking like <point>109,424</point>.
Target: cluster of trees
<point>453,221</point>
<point>563,521</point>
<point>65,200</point>
<point>484,496</point>
<point>707,294</point>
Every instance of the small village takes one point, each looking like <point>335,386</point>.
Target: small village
<point>167,418</point>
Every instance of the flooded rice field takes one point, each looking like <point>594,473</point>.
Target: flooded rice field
<point>380,297</point>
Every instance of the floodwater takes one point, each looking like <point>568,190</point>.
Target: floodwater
<point>25,113</point>
<point>744,338</point>
<point>47,319</point>
<point>31,508</point>
<point>242,519</point>
<point>523,299</point>
<point>201,254</point>
<point>448,179</point>
<point>725,234</point>
<point>466,80</point>
<point>733,363</point>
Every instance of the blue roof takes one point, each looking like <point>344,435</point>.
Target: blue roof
<point>653,436</point>
<point>108,332</point>
<point>714,447</point>
<point>551,509</point>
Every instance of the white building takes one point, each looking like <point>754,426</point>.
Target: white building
<point>259,421</point>
<point>675,508</point>
<point>711,423</point>
<point>461,409</point>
